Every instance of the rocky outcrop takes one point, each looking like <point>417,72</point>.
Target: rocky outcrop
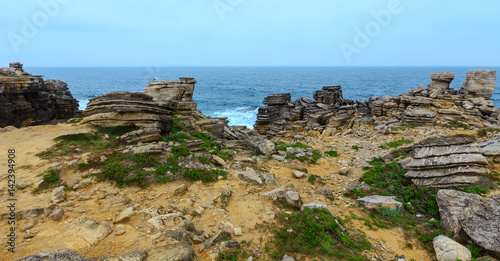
<point>126,108</point>
<point>482,224</point>
<point>375,202</point>
<point>329,112</point>
<point>479,83</point>
<point>57,255</point>
<point>447,161</point>
<point>452,204</point>
<point>175,94</point>
<point>26,99</point>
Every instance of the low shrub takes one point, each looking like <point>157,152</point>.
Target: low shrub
<point>395,144</point>
<point>331,153</point>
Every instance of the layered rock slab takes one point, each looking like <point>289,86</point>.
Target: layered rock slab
<point>447,161</point>
<point>128,108</point>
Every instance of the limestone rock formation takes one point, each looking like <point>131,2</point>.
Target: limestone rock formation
<point>126,108</point>
<point>29,100</point>
<point>482,224</point>
<point>452,204</point>
<point>175,94</point>
<point>374,202</point>
<point>480,83</point>
<point>440,81</point>
<point>329,112</point>
<point>447,161</point>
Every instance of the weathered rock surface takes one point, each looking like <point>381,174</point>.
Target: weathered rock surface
<point>447,161</point>
<point>250,176</point>
<point>441,81</point>
<point>290,197</point>
<point>449,250</point>
<point>173,94</point>
<point>181,251</point>
<point>144,135</point>
<point>480,83</point>
<point>374,202</point>
<point>57,255</point>
<point>29,100</point>
<point>266,147</point>
<point>127,108</point>
<point>453,204</point>
<point>482,224</point>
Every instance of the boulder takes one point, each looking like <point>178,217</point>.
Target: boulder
<point>289,197</point>
<point>479,83</point>
<point>250,176</point>
<point>124,215</point>
<point>54,255</point>
<point>449,250</point>
<point>128,108</point>
<point>452,204</point>
<point>287,258</point>
<point>266,147</point>
<point>328,193</point>
<point>314,206</point>
<point>57,214</point>
<point>173,94</point>
<point>374,202</point>
<point>180,251</point>
<point>482,224</point>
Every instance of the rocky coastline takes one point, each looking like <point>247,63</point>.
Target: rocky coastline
<point>148,176</point>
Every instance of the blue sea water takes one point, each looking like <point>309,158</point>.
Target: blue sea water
<point>237,92</point>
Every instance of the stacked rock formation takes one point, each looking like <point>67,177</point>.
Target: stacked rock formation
<point>127,108</point>
<point>29,100</point>
<point>447,161</point>
<point>175,94</point>
<point>178,95</point>
<point>329,112</point>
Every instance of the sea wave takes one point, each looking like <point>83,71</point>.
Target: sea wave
<point>245,116</point>
<point>83,104</point>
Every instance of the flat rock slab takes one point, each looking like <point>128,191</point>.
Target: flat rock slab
<point>419,113</point>
<point>458,139</point>
<point>48,255</point>
<point>437,151</point>
<point>374,202</point>
<point>173,252</point>
<point>482,224</point>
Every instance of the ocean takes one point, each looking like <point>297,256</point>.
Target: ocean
<point>237,92</point>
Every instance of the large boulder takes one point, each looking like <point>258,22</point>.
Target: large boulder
<point>452,204</point>
<point>128,108</point>
<point>449,250</point>
<point>266,147</point>
<point>482,224</point>
<point>447,161</point>
<point>277,99</point>
<point>479,83</point>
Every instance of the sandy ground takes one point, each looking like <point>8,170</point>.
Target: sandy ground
<point>246,209</point>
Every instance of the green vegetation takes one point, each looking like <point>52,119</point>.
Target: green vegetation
<point>51,178</point>
<point>455,124</point>
<point>482,132</point>
<point>355,147</point>
<point>395,144</point>
<point>5,75</point>
<point>232,256</point>
<point>311,179</point>
<point>280,145</point>
<point>204,175</point>
<point>74,120</point>
<point>114,132</point>
<point>203,160</point>
<point>315,232</point>
<point>331,153</point>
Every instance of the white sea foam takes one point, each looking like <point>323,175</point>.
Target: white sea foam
<point>240,116</point>
<point>83,104</point>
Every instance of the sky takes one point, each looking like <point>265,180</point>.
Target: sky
<point>250,33</point>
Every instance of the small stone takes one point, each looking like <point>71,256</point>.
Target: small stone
<point>125,214</point>
<point>218,160</point>
<point>57,214</point>
<point>180,190</point>
<point>58,195</point>
<point>344,171</point>
<point>238,231</point>
<point>298,174</point>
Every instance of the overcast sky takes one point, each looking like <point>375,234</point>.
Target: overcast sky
<point>250,32</point>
